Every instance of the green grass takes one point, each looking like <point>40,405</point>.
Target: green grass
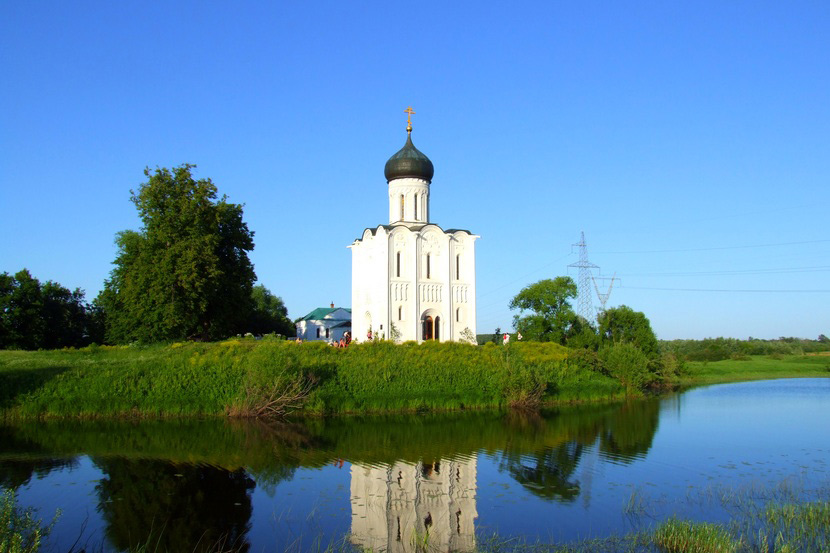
<point>680,536</point>
<point>214,379</point>
<point>756,367</point>
<point>221,378</point>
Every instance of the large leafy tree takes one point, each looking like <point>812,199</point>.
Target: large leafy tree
<point>545,312</point>
<point>623,325</point>
<point>186,273</point>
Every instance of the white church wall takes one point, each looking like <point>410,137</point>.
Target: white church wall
<point>402,270</point>
<point>463,288</point>
<point>370,274</point>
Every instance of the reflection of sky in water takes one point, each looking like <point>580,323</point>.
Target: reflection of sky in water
<point>743,436</point>
<point>73,492</point>
<point>314,505</point>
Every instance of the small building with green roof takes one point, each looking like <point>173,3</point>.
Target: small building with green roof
<point>328,324</point>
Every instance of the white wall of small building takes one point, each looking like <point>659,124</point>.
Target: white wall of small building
<point>307,330</point>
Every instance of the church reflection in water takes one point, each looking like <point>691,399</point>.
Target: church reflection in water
<point>396,507</point>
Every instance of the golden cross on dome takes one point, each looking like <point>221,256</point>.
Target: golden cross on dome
<point>409,113</point>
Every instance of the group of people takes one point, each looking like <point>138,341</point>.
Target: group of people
<point>506,338</point>
<point>344,341</point>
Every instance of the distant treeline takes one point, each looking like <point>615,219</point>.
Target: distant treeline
<point>718,349</point>
<point>46,315</point>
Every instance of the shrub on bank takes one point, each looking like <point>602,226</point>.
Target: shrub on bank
<point>628,364</point>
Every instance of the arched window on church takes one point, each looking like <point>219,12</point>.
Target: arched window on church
<point>400,313</point>
<point>458,314</point>
<point>458,266</point>
<point>401,207</point>
<point>415,205</point>
<point>398,264</point>
<point>428,267</point>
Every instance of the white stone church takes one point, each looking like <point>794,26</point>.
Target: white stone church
<point>412,280</point>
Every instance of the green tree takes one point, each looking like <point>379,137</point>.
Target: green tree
<point>623,325</point>
<point>628,364</point>
<point>35,315</point>
<point>269,314</point>
<point>549,315</point>
<point>21,309</point>
<point>186,273</point>
<point>582,335</point>
<point>64,316</point>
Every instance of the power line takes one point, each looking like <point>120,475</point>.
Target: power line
<point>488,292</point>
<point>728,290</point>
<point>720,247</point>
<point>780,270</point>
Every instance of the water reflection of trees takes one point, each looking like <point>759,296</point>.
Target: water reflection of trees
<point>541,451</point>
<point>171,507</point>
<point>26,459</point>
<point>624,433</point>
<point>546,473</point>
<point>628,434</point>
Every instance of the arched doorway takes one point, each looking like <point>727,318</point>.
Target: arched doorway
<point>430,326</point>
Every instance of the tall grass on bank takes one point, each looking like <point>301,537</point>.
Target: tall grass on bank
<point>197,379</point>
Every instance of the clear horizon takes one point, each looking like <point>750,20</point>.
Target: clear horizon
<point>688,141</point>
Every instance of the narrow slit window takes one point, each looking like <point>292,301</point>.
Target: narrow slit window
<point>428,271</point>
<point>400,313</point>
<point>401,207</point>
<point>398,264</point>
<point>458,267</point>
<point>458,315</point>
<point>415,205</point>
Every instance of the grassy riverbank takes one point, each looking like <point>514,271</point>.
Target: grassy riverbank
<point>756,367</point>
<point>245,377</point>
<point>238,377</point>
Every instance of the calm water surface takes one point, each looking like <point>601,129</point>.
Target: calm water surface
<point>379,482</point>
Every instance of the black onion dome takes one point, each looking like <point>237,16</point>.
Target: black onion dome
<point>409,162</point>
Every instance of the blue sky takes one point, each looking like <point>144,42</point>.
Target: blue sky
<point>690,141</point>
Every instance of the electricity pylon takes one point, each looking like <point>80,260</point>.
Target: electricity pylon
<point>585,307</point>
<point>603,298</point>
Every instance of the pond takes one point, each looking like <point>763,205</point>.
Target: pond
<point>385,482</point>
